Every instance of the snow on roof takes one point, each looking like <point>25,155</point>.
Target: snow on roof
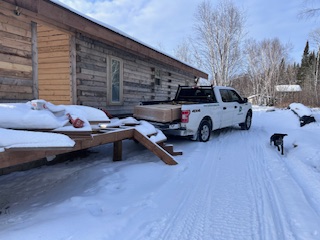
<point>116,31</point>
<point>288,88</point>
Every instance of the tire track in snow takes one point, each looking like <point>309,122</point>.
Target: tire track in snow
<point>270,221</point>
<point>233,193</point>
<point>192,223</point>
<point>218,205</point>
<point>281,198</point>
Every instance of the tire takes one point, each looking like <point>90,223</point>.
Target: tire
<point>247,123</point>
<point>204,131</point>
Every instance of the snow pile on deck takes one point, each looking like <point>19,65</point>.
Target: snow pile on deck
<point>39,115</point>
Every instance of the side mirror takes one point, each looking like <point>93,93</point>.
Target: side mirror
<point>245,100</point>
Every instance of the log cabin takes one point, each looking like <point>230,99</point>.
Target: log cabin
<point>52,52</point>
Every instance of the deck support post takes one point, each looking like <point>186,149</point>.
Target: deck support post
<point>117,151</point>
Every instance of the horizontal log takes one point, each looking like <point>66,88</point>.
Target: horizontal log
<point>15,89</point>
<point>4,96</point>
<point>15,44</point>
<point>15,66</point>
<point>17,30</point>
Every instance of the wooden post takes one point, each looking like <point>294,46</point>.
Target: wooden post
<point>34,40</point>
<point>117,151</point>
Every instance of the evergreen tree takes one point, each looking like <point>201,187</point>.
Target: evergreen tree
<point>305,67</point>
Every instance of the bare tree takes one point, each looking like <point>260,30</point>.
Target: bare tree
<point>184,52</point>
<point>315,37</point>
<point>219,32</point>
<point>310,9</point>
<point>265,61</point>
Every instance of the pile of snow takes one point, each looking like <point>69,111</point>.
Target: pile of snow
<point>300,109</point>
<point>49,116</point>
<point>23,139</point>
<point>39,115</point>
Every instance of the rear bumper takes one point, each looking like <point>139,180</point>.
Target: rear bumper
<point>173,129</point>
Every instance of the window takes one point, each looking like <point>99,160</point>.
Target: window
<point>230,96</point>
<point>156,75</point>
<point>115,81</point>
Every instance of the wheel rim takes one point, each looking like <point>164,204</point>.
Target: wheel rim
<point>205,132</point>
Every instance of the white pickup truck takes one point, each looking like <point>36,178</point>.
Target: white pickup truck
<point>196,111</point>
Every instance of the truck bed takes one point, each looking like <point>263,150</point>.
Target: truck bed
<point>163,113</point>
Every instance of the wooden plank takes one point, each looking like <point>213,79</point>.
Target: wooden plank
<point>73,69</point>
<point>16,59</point>
<point>55,98</point>
<point>54,71</point>
<point>55,65</point>
<point>35,87</point>
<point>54,76</point>
<point>92,72</point>
<point>15,89</point>
<point>15,30</point>
<point>17,52</point>
<point>54,92</point>
<point>16,44</point>
<point>53,54</point>
<point>50,87</point>
<point>49,38</point>
<point>53,43</point>
<point>15,66</point>
<point>155,148</point>
<point>53,49</point>
<point>52,59</point>
<point>14,96</point>
<point>15,81</point>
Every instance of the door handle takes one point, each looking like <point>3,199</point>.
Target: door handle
<point>235,106</point>
<point>224,108</point>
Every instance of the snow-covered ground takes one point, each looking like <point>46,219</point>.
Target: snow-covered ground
<point>235,186</point>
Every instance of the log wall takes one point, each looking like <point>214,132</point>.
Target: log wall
<point>16,79</point>
<point>139,80</point>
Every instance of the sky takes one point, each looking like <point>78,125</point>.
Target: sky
<point>165,24</point>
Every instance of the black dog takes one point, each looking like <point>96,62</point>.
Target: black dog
<point>277,140</point>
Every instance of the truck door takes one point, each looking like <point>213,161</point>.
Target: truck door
<point>227,108</point>
<point>237,104</point>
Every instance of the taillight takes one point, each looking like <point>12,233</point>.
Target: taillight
<point>185,116</point>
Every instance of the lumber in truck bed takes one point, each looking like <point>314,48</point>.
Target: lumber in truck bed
<point>158,112</point>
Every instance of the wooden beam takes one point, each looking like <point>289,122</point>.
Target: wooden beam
<point>15,156</point>
<point>34,41</point>
<point>155,148</point>
<point>117,151</point>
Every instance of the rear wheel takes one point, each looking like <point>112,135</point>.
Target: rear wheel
<point>204,131</point>
<point>247,123</point>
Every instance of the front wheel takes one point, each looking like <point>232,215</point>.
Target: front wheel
<point>247,123</point>
<point>204,131</point>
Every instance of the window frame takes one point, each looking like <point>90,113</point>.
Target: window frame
<point>110,100</point>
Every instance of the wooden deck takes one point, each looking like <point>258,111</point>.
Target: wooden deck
<point>16,156</point>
